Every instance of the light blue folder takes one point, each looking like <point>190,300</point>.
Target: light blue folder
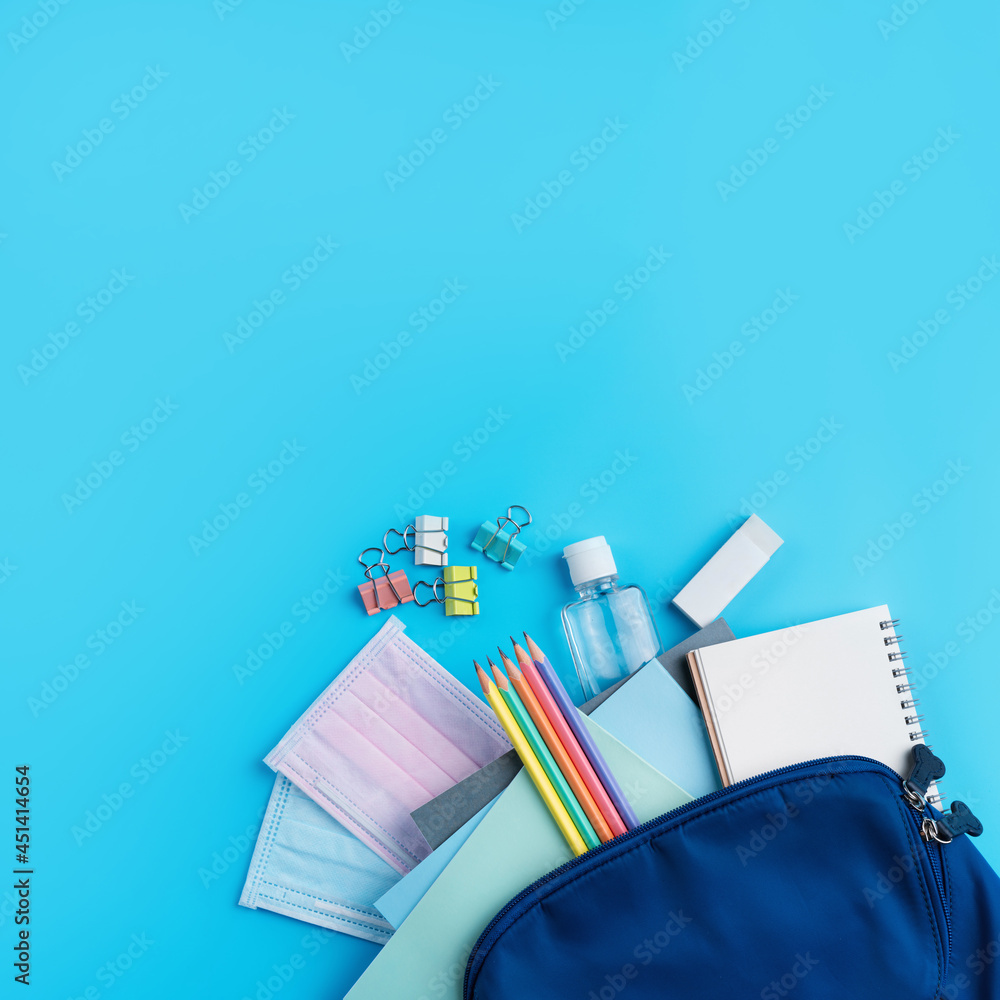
<point>397,903</point>
<point>654,718</point>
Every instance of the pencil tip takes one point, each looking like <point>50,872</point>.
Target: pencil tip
<point>522,656</point>
<point>536,653</point>
<point>498,675</point>
<point>483,679</point>
<point>505,659</point>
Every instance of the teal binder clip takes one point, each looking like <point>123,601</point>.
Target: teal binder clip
<point>501,543</point>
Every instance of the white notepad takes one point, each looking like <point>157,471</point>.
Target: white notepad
<point>831,687</point>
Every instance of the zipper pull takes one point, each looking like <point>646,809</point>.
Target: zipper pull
<point>960,820</point>
<point>927,768</point>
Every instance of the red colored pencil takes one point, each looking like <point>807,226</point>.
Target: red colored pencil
<point>570,742</point>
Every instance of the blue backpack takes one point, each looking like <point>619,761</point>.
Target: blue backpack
<point>829,879</point>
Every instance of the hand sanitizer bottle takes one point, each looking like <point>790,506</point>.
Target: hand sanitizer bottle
<point>610,629</point>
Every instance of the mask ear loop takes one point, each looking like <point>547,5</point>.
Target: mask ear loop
<point>434,592</point>
<point>406,546</point>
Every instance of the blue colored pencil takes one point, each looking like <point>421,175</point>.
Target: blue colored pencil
<point>582,734</point>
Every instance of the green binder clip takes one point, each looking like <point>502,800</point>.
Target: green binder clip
<point>501,543</point>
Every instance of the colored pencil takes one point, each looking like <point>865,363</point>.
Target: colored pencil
<point>570,742</point>
<point>555,745</point>
<point>531,765</point>
<point>582,734</point>
<point>544,755</point>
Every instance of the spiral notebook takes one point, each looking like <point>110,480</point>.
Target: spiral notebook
<point>836,686</point>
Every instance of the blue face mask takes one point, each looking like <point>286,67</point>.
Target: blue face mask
<point>306,865</point>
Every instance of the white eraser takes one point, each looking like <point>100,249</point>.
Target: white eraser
<point>728,571</point>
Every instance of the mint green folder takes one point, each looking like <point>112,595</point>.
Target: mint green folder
<point>516,843</point>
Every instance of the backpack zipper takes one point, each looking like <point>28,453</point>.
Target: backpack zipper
<point>497,925</point>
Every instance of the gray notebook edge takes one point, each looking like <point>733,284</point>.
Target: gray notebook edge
<point>439,818</point>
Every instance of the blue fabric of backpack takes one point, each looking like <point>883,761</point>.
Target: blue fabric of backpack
<point>813,881</point>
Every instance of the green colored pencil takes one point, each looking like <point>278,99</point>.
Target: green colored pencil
<point>545,758</point>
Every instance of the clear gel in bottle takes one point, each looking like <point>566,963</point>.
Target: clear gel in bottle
<point>610,629</point>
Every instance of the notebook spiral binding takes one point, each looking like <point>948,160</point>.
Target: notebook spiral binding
<point>903,685</point>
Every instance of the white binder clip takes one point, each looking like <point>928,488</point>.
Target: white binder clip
<point>426,538</point>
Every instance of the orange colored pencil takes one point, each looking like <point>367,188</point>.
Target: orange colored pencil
<point>570,742</point>
<point>531,763</point>
<point>555,745</point>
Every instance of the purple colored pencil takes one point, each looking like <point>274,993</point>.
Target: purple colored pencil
<point>582,734</point>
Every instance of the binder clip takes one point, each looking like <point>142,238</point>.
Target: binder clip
<point>383,592</point>
<point>501,543</point>
<point>461,591</point>
<point>426,538</point>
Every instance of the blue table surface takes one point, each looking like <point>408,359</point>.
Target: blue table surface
<point>278,277</point>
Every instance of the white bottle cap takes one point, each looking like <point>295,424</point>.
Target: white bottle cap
<point>589,560</point>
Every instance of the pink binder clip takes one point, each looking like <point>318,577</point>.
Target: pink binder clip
<point>383,592</point>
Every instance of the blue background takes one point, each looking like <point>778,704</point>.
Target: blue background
<point>697,462</point>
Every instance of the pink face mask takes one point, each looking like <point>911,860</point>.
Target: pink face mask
<point>389,734</point>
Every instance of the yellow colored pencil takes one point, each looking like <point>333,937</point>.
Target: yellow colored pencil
<point>531,764</point>
<point>544,755</point>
